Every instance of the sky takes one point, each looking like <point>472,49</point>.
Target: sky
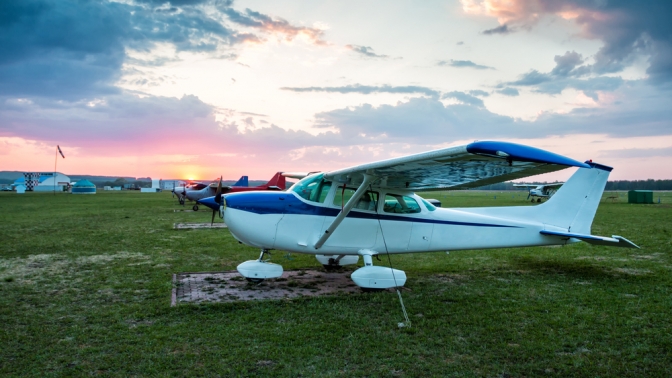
<point>198,89</point>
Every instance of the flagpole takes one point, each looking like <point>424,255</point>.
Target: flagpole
<point>55,162</point>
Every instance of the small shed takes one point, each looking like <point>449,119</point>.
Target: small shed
<point>84,187</point>
<point>20,189</point>
<point>640,196</point>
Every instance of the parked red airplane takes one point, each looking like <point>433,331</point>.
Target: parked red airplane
<point>275,183</point>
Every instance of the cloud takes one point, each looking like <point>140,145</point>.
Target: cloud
<point>637,153</point>
<point>367,89</point>
<point>464,98</point>
<point>478,92</point>
<point>463,63</point>
<point>72,49</point>
<point>567,73</point>
<point>508,91</point>
<point>502,29</point>
<point>272,25</point>
<point>627,28</point>
<point>366,51</point>
<point>420,121</point>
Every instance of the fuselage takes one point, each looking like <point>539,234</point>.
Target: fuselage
<point>385,221</point>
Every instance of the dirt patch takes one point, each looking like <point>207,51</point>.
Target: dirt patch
<point>231,286</point>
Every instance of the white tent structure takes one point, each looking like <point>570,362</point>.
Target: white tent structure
<point>20,189</point>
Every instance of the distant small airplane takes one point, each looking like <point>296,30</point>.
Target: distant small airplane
<point>539,191</point>
<point>277,182</point>
<point>371,209</point>
<point>192,187</point>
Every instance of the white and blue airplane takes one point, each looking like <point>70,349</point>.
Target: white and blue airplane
<point>371,209</point>
<point>539,191</point>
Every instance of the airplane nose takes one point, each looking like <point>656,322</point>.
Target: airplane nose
<point>209,202</point>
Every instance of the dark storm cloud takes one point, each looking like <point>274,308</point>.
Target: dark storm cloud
<point>366,51</point>
<point>627,28</point>
<point>367,89</point>
<point>502,29</point>
<point>74,49</point>
<point>463,63</point>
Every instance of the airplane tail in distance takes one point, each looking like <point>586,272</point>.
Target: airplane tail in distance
<point>243,181</point>
<point>574,205</point>
<point>277,182</point>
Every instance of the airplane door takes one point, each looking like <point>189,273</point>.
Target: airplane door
<point>360,228</point>
<point>399,229</point>
<point>421,237</point>
<point>302,221</point>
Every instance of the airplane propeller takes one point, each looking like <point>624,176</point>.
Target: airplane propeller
<point>218,199</point>
<point>529,194</point>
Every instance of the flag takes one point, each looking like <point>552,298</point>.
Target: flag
<point>59,151</point>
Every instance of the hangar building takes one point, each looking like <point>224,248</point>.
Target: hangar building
<point>48,182</point>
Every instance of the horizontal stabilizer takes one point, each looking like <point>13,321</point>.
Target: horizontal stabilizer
<point>614,241</point>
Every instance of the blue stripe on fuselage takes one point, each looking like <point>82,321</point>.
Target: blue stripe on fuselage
<point>287,203</point>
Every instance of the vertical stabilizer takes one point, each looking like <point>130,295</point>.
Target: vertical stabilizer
<point>574,205</point>
<point>243,181</point>
<point>277,181</point>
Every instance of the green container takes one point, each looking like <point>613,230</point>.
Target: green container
<point>640,196</point>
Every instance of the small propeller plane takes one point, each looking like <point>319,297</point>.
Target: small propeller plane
<point>197,189</point>
<point>371,209</point>
<point>277,183</point>
<point>539,191</point>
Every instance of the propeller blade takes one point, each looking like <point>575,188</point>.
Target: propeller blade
<point>529,194</point>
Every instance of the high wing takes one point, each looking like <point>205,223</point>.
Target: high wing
<point>552,185</point>
<point>525,185</point>
<point>469,166</point>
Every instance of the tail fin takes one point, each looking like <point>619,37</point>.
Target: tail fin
<point>277,182</point>
<point>243,181</point>
<point>574,205</point>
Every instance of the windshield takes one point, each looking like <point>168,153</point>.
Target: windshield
<point>312,188</point>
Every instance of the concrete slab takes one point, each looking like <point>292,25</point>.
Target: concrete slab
<point>191,226</point>
<point>232,287</point>
<point>183,211</point>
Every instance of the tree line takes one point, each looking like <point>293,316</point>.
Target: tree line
<point>611,185</point>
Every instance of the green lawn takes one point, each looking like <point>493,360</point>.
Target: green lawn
<point>85,285</point>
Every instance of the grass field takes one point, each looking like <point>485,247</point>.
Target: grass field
<point>85,285</point>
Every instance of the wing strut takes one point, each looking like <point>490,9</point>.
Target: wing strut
<point>346,209</point>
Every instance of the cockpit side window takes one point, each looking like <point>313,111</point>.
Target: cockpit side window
<point>395,203</point>
<point>369,199</point>
<point>312,188</point>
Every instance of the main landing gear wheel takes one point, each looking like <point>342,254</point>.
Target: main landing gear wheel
<point>538,199</point>
<point>332,266</point>
<point>195,207</point>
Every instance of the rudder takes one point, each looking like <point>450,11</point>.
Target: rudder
<point>574,205</point>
